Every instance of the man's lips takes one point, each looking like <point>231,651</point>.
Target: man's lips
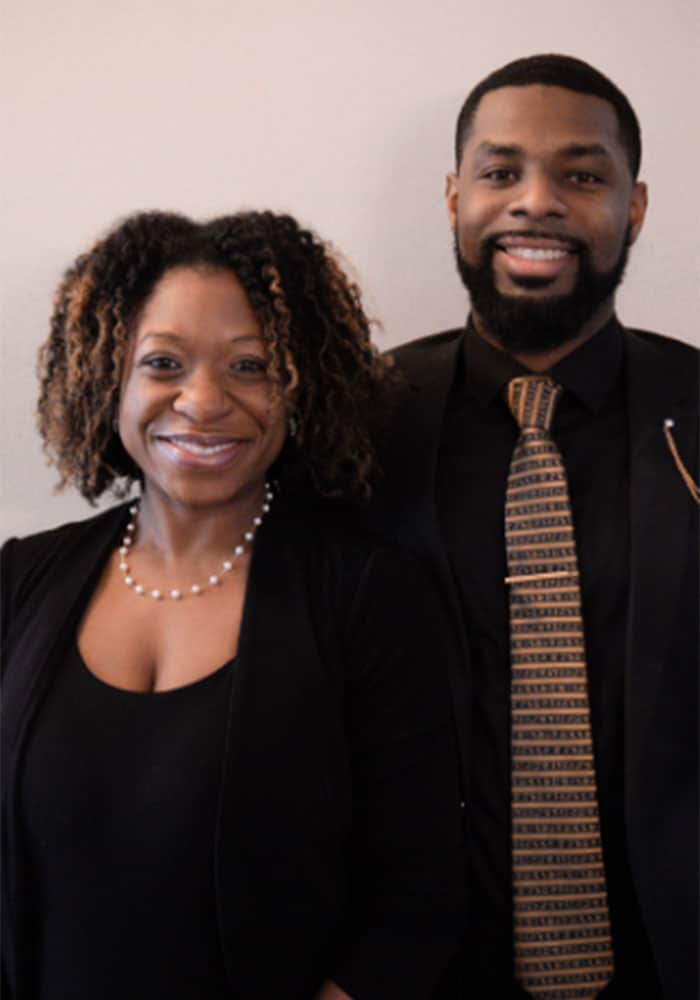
<point>526,255</point>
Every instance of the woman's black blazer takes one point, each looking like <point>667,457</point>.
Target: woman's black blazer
<point>338,848</point>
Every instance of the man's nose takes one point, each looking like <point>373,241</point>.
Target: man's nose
<point>538,196</point>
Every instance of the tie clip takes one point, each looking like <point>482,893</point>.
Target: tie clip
<point>528,577</point>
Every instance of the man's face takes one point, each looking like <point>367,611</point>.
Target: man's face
<point>543,210</point>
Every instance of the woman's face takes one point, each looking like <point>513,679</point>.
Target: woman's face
<point>197,411</point>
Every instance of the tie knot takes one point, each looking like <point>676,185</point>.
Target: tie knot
<point>532,399</point>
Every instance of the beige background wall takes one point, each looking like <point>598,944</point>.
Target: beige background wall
<point>340,112</point>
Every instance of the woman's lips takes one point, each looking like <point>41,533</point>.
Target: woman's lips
<point>200,450</point>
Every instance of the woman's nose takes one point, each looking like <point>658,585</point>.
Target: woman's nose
<point>204,397</point>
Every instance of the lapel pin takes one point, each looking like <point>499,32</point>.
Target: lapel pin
<point>693,487</point>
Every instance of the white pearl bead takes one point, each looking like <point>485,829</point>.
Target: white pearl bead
<point>239,550</point>
<point>175,594</point>
<point>124,550</point>
<point>213,580</point>
<point>123,567</point>
<point>129,581</point>
<point>130,527</point>
<point>133,509</point>
<point>257,521</point>
<point>155,594</point>
<point>127,541</point>
<point>248,536</point>
<point>265,508</point>
<point>195,588</point>
<point>138,589</point>
<point>669,422</point>
<point>228,565</point>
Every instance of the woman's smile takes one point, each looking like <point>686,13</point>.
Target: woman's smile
<point>208,451</point>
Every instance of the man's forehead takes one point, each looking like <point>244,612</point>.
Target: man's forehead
<point>519,116</point>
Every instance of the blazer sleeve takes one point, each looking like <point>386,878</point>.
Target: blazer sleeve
<point>407,865</point>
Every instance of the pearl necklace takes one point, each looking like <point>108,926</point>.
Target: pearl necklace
<point>197,588</point>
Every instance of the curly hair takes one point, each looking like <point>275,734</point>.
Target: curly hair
<point>312,320</point>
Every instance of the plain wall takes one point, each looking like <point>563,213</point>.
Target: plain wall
<point>341,113</point>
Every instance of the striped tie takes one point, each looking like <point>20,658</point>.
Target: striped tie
<point>562,934</point>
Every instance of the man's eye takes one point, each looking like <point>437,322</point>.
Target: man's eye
<point>584,177</point>
<point>500,174</point>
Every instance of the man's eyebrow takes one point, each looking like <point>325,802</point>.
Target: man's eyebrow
<point>574,149</point>
<point>498,149</point>
<point>580,149</point>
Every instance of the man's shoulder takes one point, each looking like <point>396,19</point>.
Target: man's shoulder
<point>667,345</point>
<point>663,342</point>
<point>431,346</point>
<point>657,360</point>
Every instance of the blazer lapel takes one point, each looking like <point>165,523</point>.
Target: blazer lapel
<point>407,505</point>
<point>36,641</point>
<point>660,388</point>
<point>47,618</point>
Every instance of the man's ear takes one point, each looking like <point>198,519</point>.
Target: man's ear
<point>451,198</point>
<point>638,209</point>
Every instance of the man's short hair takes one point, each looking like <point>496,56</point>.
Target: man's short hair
<point>556,71</point>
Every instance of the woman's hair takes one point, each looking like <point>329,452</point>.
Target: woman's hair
<point>312,320</point>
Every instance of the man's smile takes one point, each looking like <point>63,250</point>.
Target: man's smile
<point>532,256</point>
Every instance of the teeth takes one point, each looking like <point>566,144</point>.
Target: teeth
<point>201,449</point>
<point>537,253</point>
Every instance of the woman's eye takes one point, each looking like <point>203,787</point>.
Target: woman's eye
<point>160,363</point>
<point>250,367</point>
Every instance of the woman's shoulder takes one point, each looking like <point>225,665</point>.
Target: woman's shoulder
<point>25,560</point>
<point>72,532</point>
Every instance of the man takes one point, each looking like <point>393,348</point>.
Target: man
<point>576,690</point>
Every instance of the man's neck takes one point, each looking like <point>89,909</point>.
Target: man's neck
<point>543,361</point>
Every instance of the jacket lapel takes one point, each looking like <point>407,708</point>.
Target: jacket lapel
<point>36,641</point>
<point>405,508</point>
<point>660,387</point>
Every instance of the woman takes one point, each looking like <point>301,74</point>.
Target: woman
<point>228,764</point>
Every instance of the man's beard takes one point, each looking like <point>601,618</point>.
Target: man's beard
<point>524,324</point>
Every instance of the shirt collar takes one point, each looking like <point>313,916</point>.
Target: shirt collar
<point>589,373</point>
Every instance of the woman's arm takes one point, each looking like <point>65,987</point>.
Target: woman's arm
<point>407,874</point>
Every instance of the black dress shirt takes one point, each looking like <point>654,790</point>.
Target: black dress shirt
<point>479,434</point>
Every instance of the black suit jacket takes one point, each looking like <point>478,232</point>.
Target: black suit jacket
<point>338,845</point>
<point>661,749</point>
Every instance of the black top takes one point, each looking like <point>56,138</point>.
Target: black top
<point>338,846</point>
<point>119,800</point>
<point>590,428</point>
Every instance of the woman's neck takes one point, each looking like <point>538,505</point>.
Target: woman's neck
<point>174,532</point>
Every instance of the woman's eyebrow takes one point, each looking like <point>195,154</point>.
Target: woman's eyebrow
<point>168,335</point>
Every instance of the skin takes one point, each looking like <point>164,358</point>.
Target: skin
<point>546,161</point>
<point>195,375</point>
